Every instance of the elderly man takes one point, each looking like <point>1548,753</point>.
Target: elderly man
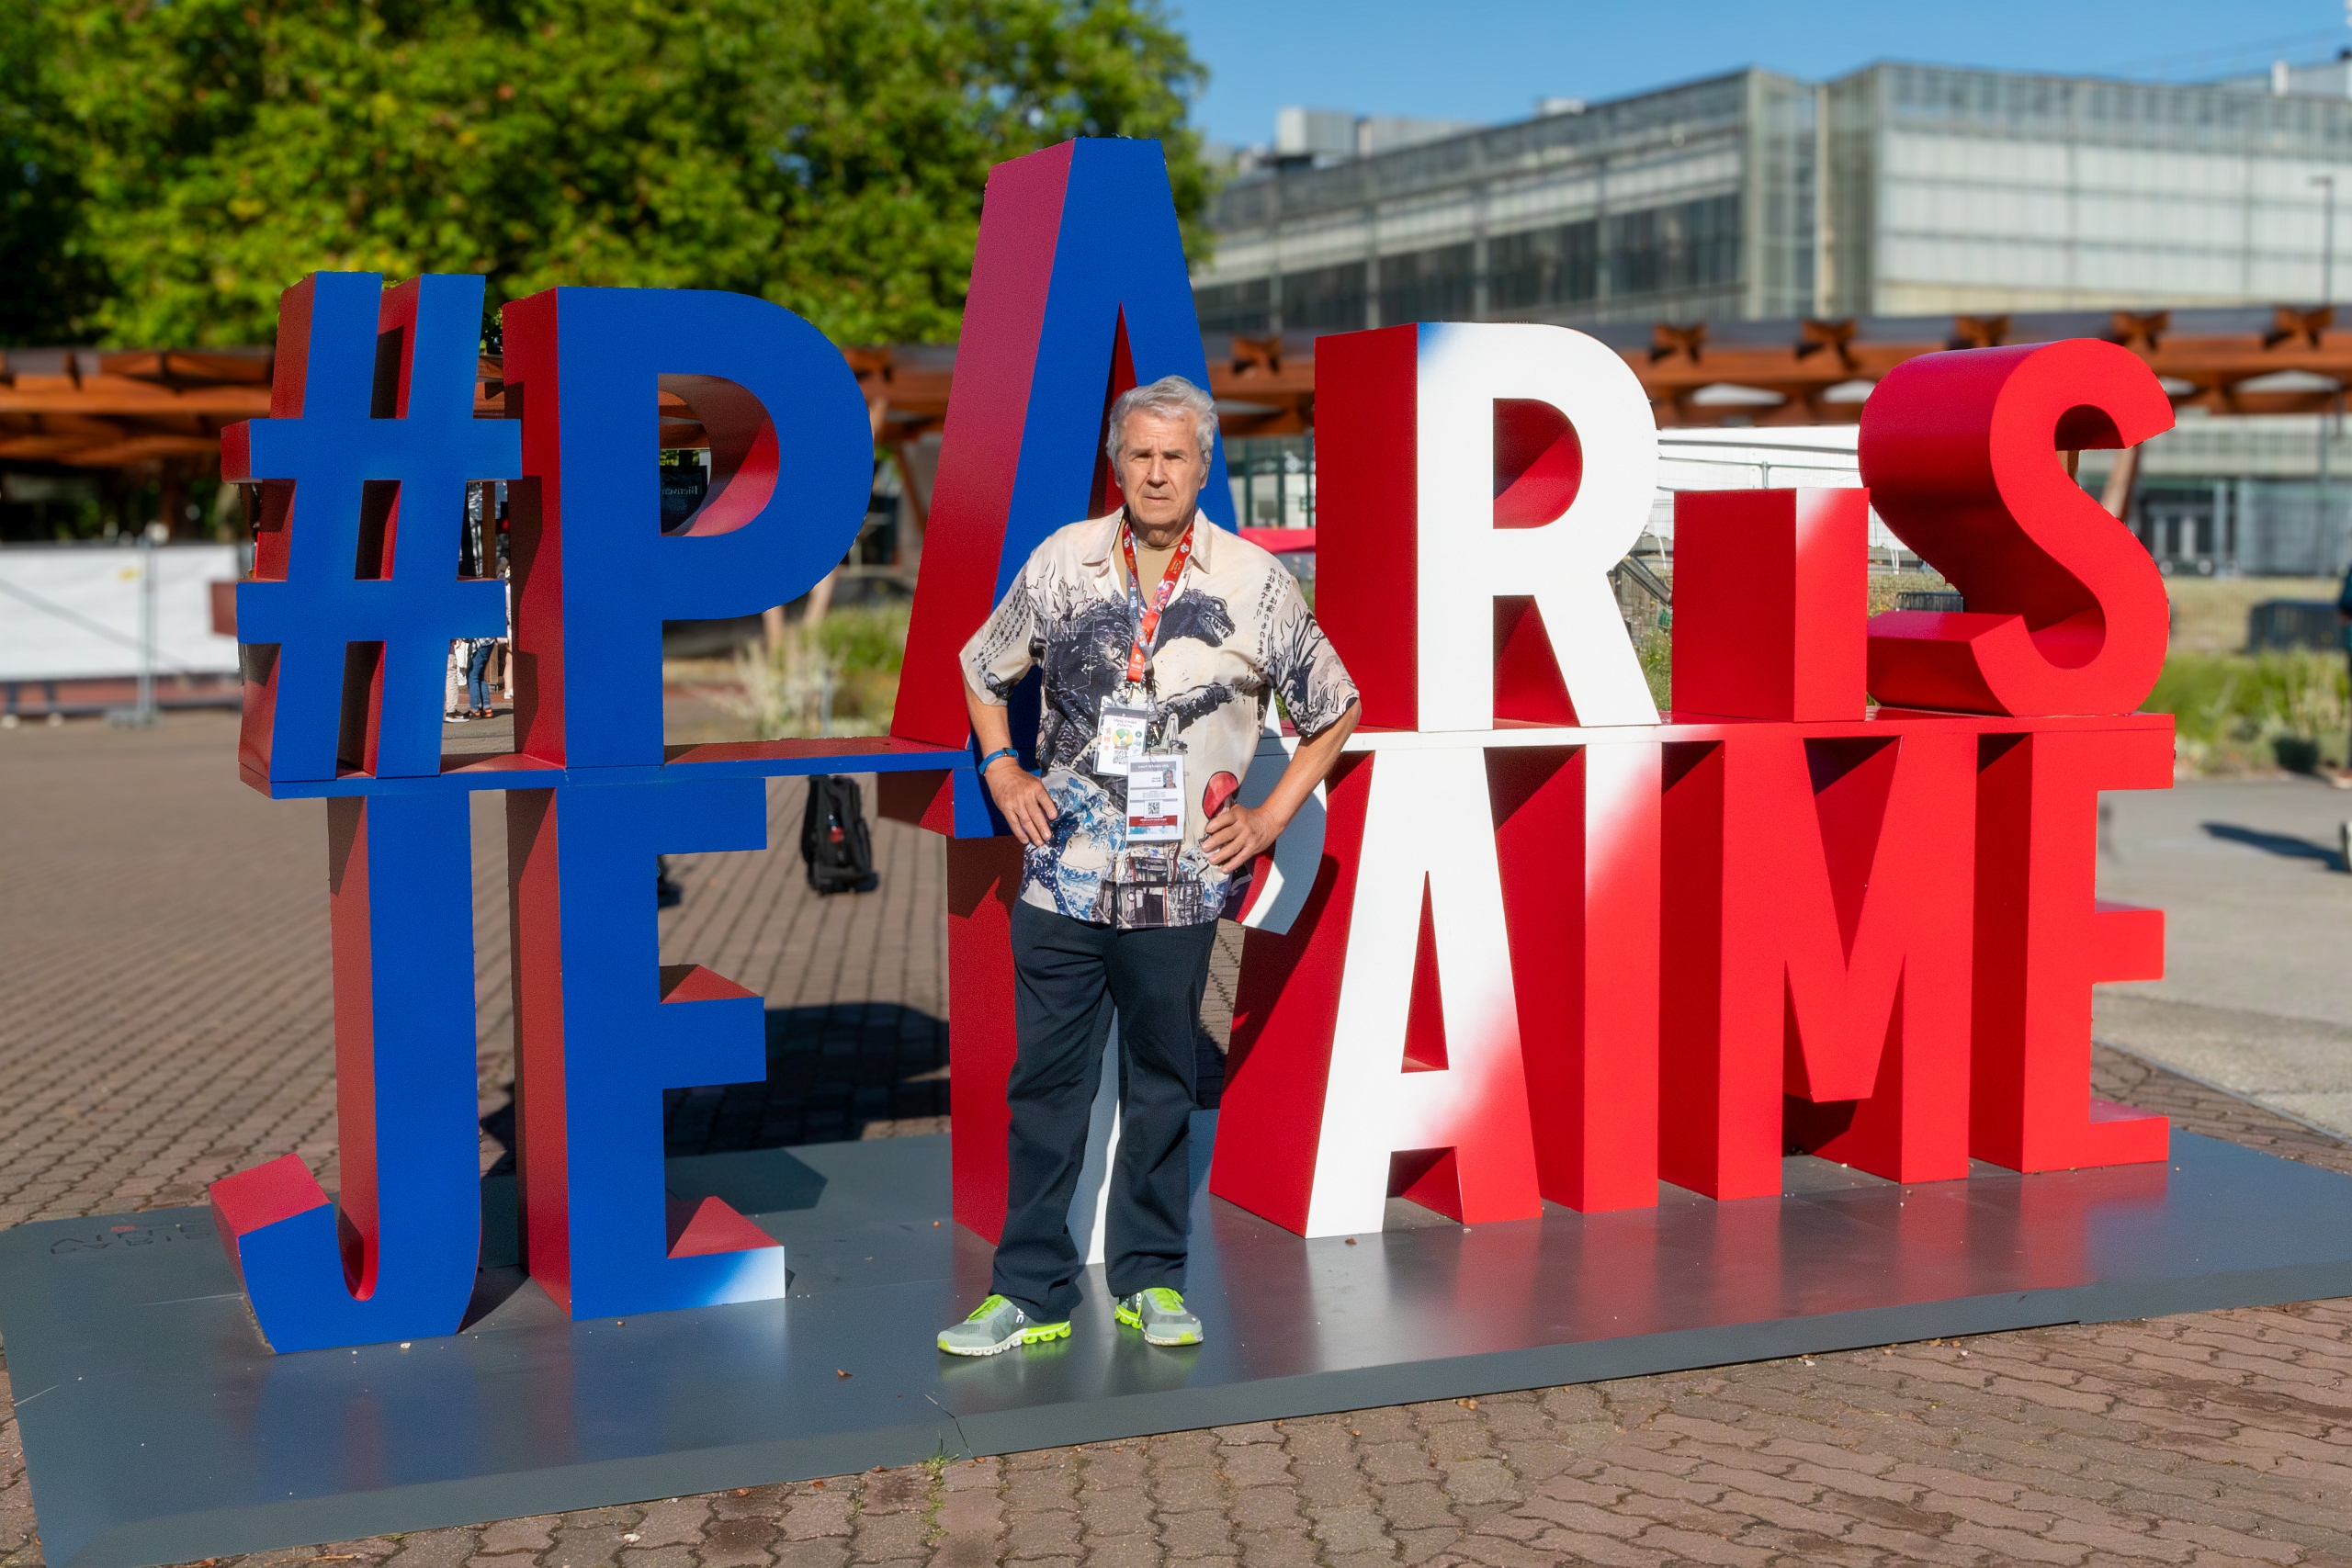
<point>1162,638</point>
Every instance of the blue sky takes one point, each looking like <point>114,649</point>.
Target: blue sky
<point>1489,59</point>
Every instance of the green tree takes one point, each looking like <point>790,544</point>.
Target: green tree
<point>54,283</point>
<point>828,155</point>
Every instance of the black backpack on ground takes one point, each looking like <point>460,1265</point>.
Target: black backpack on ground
<point>833,839</point>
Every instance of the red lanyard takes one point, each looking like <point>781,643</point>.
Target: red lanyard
<point>1147,621</point>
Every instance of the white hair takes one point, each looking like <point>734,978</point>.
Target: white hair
<point>1168,396</point>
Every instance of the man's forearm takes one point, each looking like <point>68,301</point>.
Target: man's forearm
<point>991,723</point>
<point>1309,765</point>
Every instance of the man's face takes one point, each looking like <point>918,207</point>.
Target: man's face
<point>1161,468</point>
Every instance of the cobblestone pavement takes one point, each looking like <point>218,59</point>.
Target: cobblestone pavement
<point>167,1021</point>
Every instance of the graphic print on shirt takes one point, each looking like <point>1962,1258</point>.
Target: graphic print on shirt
<point>1210,677</point>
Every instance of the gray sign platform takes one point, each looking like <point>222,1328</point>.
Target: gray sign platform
<point>158,1429</point>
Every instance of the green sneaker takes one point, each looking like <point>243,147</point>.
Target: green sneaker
<point>997,1324</point>
<point>1160,1313</point>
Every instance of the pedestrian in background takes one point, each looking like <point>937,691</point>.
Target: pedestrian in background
<point>453,682</point>
<point>478,652</point>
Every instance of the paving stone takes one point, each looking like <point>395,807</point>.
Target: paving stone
<point>736,1542</point>
<point>533,1534</point>
<point>1175,1491</point>
<point>1418,1546</point>
<point>1501,1553</point>
<point>583,1546</point>
<point>1277,1548</point>
<point>881,1537</point>
<point>1025,1491</point>
<point>653,1557</point>
<point>893,1491</point>
<point>750,1503</point>
<point>1255,1432</point>
<point>1331,1485</point>
<point>1198,1532</point>
<point>434,1549</point>
<point>1345,1530</point>
<point>972,1511</point>
<point>1040,1534</point>
<point>1258,1464</point>
<point>1479,1480</point>
<point>1125,1552</point>
<point>678,1521</point>
<point>826,1554</point>
<point>1267,1508</point>
<point>1110,1511</point>
<point>964,1551</point>
<point>814,1514</point>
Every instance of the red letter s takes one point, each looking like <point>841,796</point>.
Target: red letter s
<point>2066,612</point>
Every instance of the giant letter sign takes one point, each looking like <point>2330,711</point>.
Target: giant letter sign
<point>2067,612</point>
<point>1577,837</point>
<point>1483,477</point>
<point>1771,934</point>
<point>1805,875</point>
<point>356,599</point>
<point>1823,949</point>
<point>605,1031</point>
<point>1079,292</point>
<point>1536,944</point>
<point>597,582</point>
<point>1391,1041</point>
<point>398,1259</point>
<point>348,619</point>
<point>2043,938</point>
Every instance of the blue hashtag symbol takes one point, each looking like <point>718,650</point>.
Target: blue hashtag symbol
<point>369,445</point>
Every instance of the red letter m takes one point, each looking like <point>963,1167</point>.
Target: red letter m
<point>1817,918</point>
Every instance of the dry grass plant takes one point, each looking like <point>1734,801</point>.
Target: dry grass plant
<point>837,677</point>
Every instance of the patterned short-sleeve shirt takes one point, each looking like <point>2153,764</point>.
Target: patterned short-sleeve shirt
<point>1236,631</point>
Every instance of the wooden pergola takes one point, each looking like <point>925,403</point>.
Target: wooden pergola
<point>1809,371</point>
<point>2289,360</point>
<point>155,415</point>
<point>132,415</point>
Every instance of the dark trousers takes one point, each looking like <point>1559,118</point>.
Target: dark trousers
<point>1069,977</point>
<point>478,677</point>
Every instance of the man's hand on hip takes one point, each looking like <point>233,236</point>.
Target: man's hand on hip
<point>1023,798</point>
<point>1240,834</point>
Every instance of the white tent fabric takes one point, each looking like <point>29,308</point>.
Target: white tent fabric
<point>71,611</point>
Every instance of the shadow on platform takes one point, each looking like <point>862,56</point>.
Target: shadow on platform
<point>835,1074</point>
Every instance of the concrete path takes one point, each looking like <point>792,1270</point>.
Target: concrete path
<point>2257,992</point>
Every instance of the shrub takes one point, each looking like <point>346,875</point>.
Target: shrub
<point>839,677</point>
<point>2230,708</point>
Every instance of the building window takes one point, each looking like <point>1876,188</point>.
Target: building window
<point>1245,307</point>
<point>1681,248</point>
<point>1544,267</point>
<point>1711,241</point>
<point>1692,244</point>
<point>1520,269</point>
<point>1428,285</point>
<point>1324,299</point>
<point>1635,248</point>
<point>1580,261</point>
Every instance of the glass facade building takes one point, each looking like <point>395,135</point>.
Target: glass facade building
<point>1896,190</point>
